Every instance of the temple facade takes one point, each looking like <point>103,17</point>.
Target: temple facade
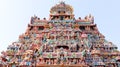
<point>61,41</point>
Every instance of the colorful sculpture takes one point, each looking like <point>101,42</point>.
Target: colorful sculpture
<point>61,40</point>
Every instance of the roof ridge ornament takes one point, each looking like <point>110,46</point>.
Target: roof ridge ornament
<point>61,1</point>
<point>62,7</point>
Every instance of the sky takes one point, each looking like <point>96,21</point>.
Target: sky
<point>15,16</point>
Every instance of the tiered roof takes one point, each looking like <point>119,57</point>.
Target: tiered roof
<point>61,40</point>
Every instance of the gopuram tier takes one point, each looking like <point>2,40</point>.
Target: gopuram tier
<point>61,41</point>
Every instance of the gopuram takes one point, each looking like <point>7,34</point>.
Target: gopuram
<point>61,41</point>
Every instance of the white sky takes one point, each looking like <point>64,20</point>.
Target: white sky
<point>15,15</point>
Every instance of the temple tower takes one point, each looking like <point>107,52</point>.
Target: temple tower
<point>61,40</point>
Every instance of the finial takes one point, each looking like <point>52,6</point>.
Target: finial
<point>61,1</point>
